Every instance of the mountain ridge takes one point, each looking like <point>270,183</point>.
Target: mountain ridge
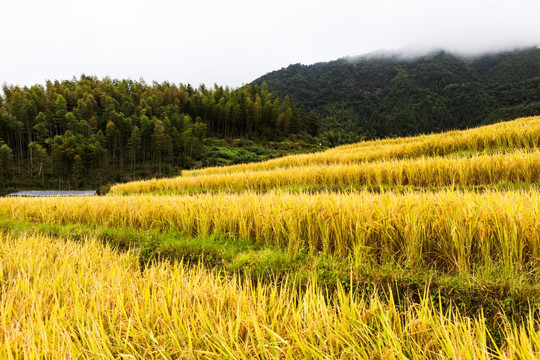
<point>364,97</point>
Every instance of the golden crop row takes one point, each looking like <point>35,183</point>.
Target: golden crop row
<point>85,301</point>
<point>431,172</point>
<point>523,133</point>
<point>445,230</point>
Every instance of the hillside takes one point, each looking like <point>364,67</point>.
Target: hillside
<point>382,96</point>
<point>505,152</point>
<point>89,132</point>
<point>421,247</point>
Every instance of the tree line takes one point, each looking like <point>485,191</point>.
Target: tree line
<point>89,131</point>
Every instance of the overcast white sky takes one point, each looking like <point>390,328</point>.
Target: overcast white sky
<point>233,42</point>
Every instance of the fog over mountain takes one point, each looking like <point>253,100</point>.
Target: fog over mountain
<point>414,52</point>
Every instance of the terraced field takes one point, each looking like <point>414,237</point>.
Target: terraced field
<point>413,248</point>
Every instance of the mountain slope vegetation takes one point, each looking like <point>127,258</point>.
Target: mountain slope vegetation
<point>383,96</point>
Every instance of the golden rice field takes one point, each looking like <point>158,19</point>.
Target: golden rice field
<point>505,152</point>
<point>447,230</point>
<point>515,167</point>
<point>522,133</point>
<point>86,301</point>
<point>67,299</point>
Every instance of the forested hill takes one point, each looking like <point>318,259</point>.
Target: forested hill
<point>88,131</point>
<point>375,97</point>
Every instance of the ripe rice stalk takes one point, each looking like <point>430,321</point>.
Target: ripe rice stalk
<point>490,169</point>
<point>84,300</point>
<point>456,229</point>
<point>522,133</point>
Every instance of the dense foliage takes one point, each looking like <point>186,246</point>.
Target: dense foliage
<point>89,131</point>
<point>376,97</point>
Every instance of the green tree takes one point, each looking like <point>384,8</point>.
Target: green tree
<point>40,130</point>
<point>134,146</point>
<point>313,124</point>
<point>159,142</point>
<point>6,160</point>
<point>60,105</point>
<point>72,123</point>
<point>40,159</point>
<point>78,170</point>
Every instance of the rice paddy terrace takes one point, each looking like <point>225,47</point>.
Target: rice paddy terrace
<point>406,248</point>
